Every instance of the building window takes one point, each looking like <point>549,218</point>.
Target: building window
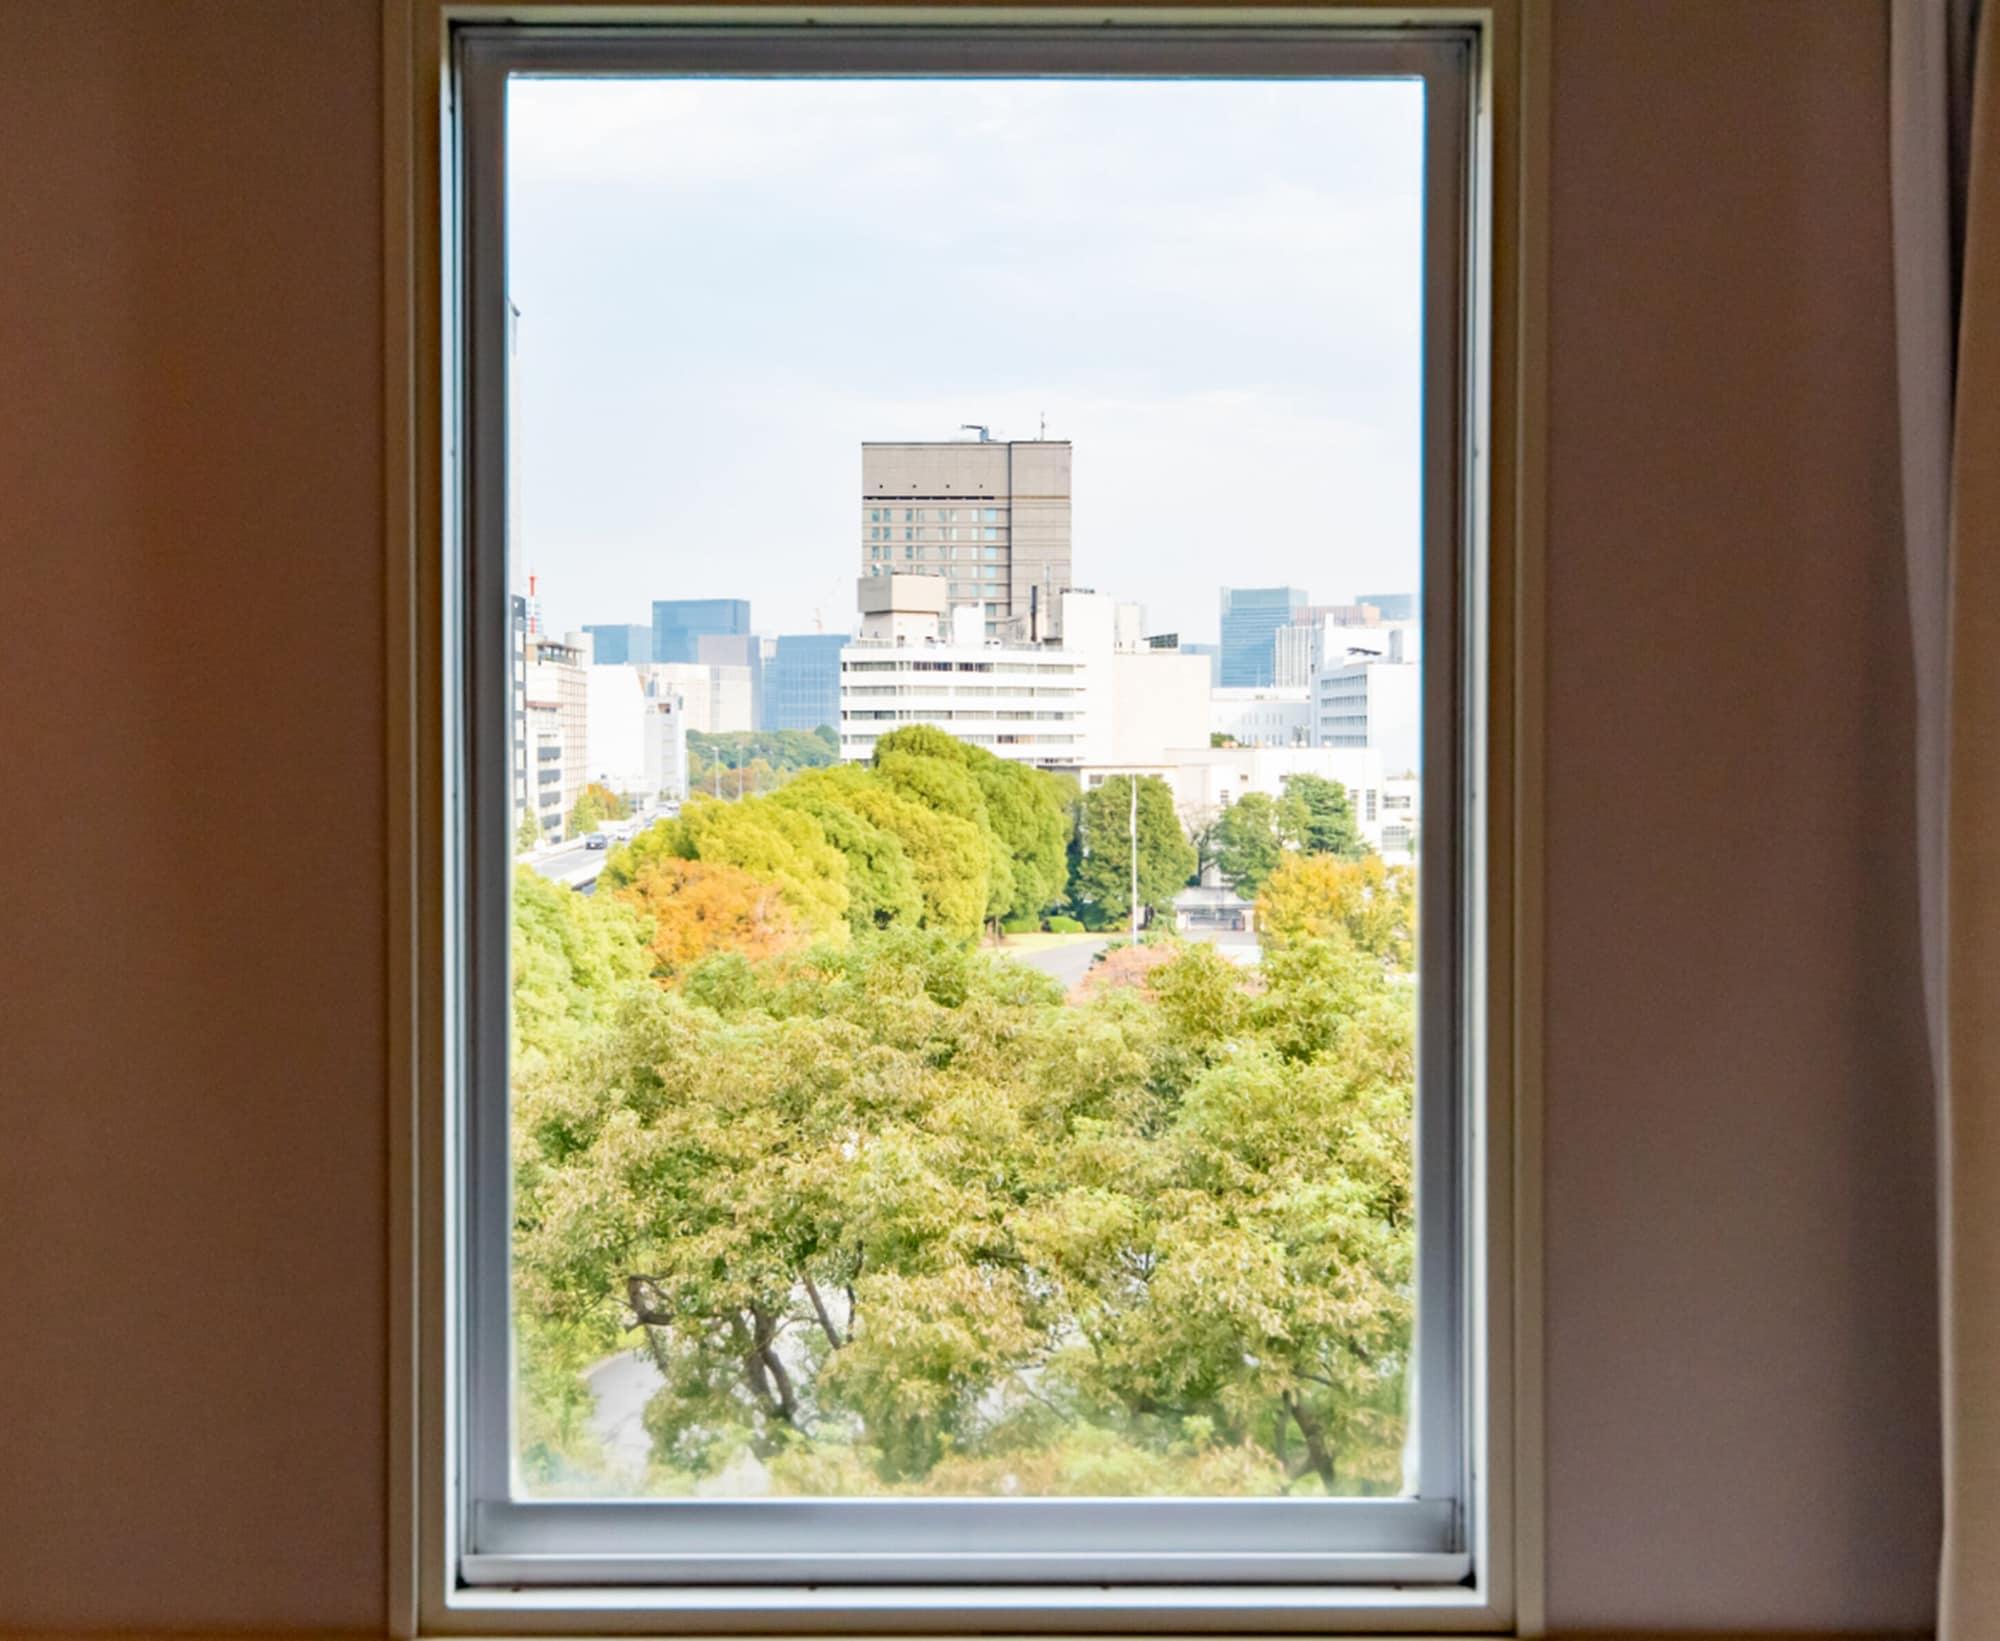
<point>914,1284</point>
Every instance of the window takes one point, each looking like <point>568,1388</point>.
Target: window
<point>855,1362</point>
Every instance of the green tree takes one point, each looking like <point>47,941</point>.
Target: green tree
<point>882,886</point>
<point>891,1217</point>
<point>1326,815</point>
<point>586,815</point>
<point>745,762</point>
<point>1101,868</point>
<point>773,842</point>
<point>943,784</point>
<point>949,856</point>
<point>1250,839</point>
<point>575,957</point>
<point>528,834</point>
<point>1028,811</point>
<point>1365,904</point>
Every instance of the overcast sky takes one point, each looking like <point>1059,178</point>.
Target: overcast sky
<point>726,286</point>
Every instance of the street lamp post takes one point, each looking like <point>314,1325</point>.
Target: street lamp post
<point>1132,782</point>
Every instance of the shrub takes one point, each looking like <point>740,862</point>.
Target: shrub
<point>1065,925</point>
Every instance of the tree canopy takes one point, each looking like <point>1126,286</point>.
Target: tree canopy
<point>1101,870</point>
<point>1322,817</point>
<point>887,1214</point>
<point>1026,810</point>
<point>892,1217</point>
<point>1250,839</point>
<point>1369,905</point>
<point>594,805</point>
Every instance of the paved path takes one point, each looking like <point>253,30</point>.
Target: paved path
<point>622,1385</point>
<point>1066,964</point>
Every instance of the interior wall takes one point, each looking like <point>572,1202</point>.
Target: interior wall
<point>191,980</point>
<point>1741,1360</point>
<point>192,1259</point>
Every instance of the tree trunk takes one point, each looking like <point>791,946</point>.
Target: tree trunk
<point>1315,1438</point>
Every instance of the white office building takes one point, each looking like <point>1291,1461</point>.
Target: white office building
<point>1402,818</point>
<point>663,743</point>
<point>1374,700</point>
<point>1264,715</point>
<point>615,728</point>
<point>1096,695</point>
<point>556,712</point>
<point>719,699</point>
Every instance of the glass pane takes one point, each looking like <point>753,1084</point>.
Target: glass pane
<point>964,1035</point>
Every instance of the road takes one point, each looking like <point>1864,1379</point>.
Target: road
<point>621,1386</point>
<point>576,865</point>
<point>1066,964</point>
<point>572,864</point>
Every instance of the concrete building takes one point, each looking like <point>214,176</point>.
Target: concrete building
<point>663,741</point>
<point>615,728</point>
<point>679,624</point>
<point>1262,717</point>
<point>915,662</point>
<point>1392,606</point>
<point>1317,630</point>
<point>1099,696</point>
<point>991,517</point>
<point>619,644</point>
<point>1251,618</point>
<point>517,667</point>
<point>719,700</point>
<point>1206,780</point>
<point>802,681</point>
<point>1402,818</point>
<point>1374,700</point>
<point>1212,653</point>
<point>743,650</point>
<point>557,711</point>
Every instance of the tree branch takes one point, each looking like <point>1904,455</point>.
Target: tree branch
<point>825,1321</point>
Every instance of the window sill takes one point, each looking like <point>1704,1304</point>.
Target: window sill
<point>960,1609</point>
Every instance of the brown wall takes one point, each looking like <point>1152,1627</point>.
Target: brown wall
<point>191,968</point>
<point>191,992</point>
<point>1741,1365</point>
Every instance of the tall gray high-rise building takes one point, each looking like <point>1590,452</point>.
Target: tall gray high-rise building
<point>990,516</point>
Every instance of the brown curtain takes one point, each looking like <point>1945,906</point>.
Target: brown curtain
<point>1945,120</point>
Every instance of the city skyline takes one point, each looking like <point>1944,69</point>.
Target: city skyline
<point>710,329</point>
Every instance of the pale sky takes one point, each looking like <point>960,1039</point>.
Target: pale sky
<point>725,286</point>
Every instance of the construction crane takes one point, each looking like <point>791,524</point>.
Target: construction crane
<point>985,433</point>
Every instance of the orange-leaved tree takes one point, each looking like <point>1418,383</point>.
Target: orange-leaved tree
<point>695,907</point>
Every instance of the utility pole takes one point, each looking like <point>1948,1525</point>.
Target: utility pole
<point>1132,782</point>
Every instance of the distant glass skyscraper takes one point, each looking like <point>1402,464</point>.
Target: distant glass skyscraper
<point>802,681</point>
<point>617,644</point>
<point>1251,617</point>
<point>1393,606</point>
<point>679,624</point>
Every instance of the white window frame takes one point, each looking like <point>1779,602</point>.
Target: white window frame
<point>1459,1556</point>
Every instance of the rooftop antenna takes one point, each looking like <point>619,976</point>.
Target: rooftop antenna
<point>985,433</point>
<point>1044,433</point>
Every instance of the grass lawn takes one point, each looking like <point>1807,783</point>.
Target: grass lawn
<point>1046,942</point>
